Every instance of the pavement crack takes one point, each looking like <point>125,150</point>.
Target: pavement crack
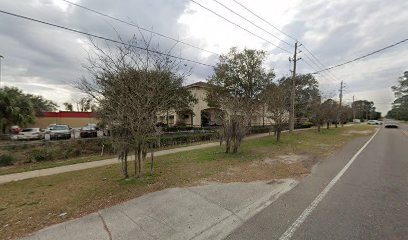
<point>137,224</point>
<point>105,226</point>
<point>164,223</point>
<point>211,201</point>
<point>212,225</point>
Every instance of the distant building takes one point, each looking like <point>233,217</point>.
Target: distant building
<point>201,114</point>
<point>73,119</point>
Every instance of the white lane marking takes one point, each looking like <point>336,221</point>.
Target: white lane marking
<point>292,229</point>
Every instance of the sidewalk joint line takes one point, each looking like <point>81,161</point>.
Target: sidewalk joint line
<point>105,226</point>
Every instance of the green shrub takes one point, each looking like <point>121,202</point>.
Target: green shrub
<point>259,129</point>
<point>6,160</point>
<point>176,139</point>
<point>307,125</point>
<point>303,125</point>
<point>39,155</point>
<point>69,153</point>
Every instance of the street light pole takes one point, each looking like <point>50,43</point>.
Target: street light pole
<point>1,57</point>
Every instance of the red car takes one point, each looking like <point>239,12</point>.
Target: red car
<point>15,129</point>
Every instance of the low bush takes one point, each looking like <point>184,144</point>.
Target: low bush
<point>61,150</point>
<point>260,129</point>
<point>6,160</point>
<point>39,155</point>
<point>303,125</point>
<point>177,139</point>
<point>307,125</point>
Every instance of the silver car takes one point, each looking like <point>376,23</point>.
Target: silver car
<point>59,132</point>
<point>391,124</point>
<point>30,134</point>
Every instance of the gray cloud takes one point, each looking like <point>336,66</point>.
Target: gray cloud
<point>44,60</point>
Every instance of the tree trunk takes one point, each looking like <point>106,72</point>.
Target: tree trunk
<point>278,135</point>
<point>318,127</point>
<point>125,167</point>
<point>227,145</point>
<point>327,125</point>
<point>139,163</point>
<point>151,161</point>
<point>237,143</point>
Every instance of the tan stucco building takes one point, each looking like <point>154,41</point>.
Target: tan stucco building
<point>201,114</point>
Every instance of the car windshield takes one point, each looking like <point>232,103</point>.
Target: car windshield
<point>59,128</point>
<point>88,128</point>
<point>29,130</point>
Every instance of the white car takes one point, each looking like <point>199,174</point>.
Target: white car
<point>391,124</point>
<point>374,122</point>
<point>30,134</point>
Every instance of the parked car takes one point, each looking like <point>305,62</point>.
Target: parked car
<point>59,132</point>
<point>391,124</point>
<point>30,134</point>
<point>51,126</point>
<point>88,131</point>
<point>374,122</point>
<point>15,129</point>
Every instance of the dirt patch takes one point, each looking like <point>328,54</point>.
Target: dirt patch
<point>362,132</point>
<point>287,159</point>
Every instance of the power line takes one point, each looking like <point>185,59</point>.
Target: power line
<point>318,61</point>
<point>139,27</point>
<point>329,77</point>
<point>257,26</point>
<point>259,17</point>
<point>103,38</point>
<point>293,38</point>
<point>364,56</point>
<point>237,25</point>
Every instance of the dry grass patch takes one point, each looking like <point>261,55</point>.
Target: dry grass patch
<point>29,205</point>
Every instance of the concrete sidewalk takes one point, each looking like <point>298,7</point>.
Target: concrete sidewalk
<point>204,212</point>
<point>81,166</point>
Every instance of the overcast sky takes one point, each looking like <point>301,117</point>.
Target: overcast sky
<point>44,60</point>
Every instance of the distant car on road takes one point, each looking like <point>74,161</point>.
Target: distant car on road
<point>391,124</point>
<point>30,134</point>
<point>59,132</point>
<point>88,131</point>
<point>374,122</point>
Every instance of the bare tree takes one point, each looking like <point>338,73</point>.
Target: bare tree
<point>85,104</point>
<point>131,86</point>
<point>329,111</point>
<point>275,98</point>
<point>236,87</point>
<point>68,106</point>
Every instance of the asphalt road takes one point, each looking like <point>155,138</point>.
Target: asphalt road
<point>368,199</point>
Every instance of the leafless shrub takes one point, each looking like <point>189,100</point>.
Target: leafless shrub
<point>131,84</point>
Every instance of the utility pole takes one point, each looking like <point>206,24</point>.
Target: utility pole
<point>1,57</point>
<point>352,107</point>
<point>292,98</point>
<point>341,100</point>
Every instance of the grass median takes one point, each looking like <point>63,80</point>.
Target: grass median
<point>32,204</point>
<point>31,166</point>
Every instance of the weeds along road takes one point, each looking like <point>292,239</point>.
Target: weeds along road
<point>344,199</point>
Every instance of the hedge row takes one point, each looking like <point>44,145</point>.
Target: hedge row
<point>178,139</point>
<point>304,125</point>
<point>50,151</point>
